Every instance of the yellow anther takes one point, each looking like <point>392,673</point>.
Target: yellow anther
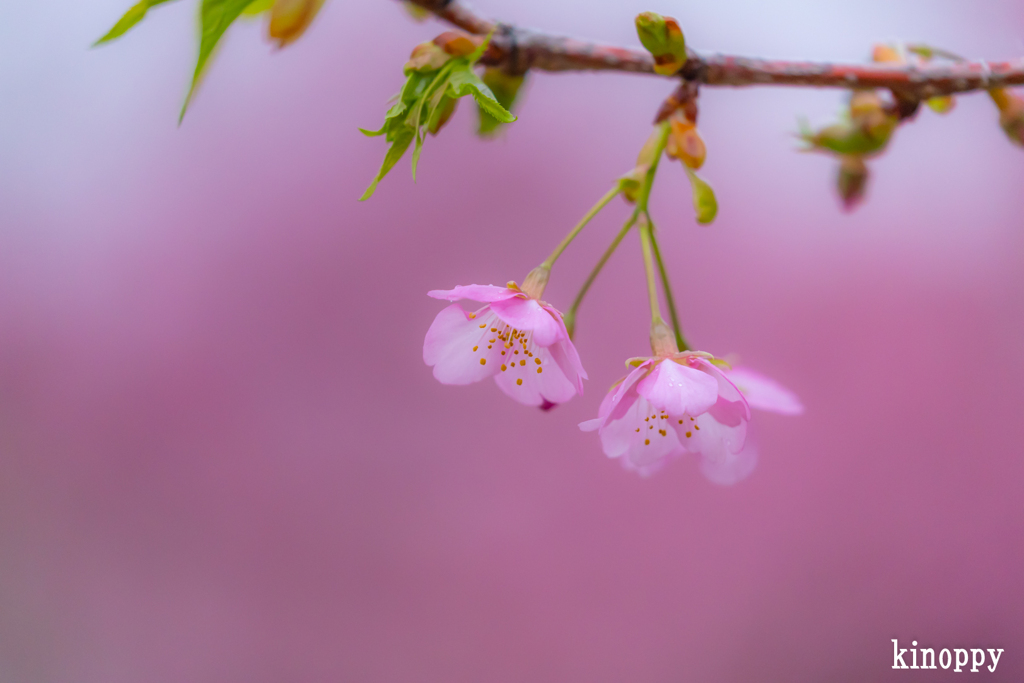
<point>483,361</point>
<point>519,382</point>
<point>689,434</point>
<point>503,367</point>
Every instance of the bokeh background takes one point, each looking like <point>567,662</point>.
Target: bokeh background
<point>222,458</point>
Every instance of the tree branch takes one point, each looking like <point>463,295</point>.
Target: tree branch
<point>517,50</point>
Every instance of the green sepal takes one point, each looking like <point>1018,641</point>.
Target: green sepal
<point>134,15</point>
<point>704,202</point>
<point>215,16</point>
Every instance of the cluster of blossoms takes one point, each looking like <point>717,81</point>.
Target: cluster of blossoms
<point>669,404</point>
<point>676,401</point>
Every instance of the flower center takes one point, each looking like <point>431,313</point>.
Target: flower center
<point>515,347</point>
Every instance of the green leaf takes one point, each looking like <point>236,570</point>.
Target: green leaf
<point>704,202</point>
<point>464,82</point>
<point>395,152</point>
<point>474,56</point>
<point>257,7</point>
<point>134,15</point>
<point>215,16</point>
<point>506,89</point>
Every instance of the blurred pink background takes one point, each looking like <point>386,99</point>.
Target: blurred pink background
<point>222,458</point>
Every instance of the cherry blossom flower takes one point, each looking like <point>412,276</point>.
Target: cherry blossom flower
<point>671,405</point>
<point>516,338</point>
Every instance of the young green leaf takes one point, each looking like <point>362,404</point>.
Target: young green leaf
<point>704,202</point>
<point>215,16</point>
<point>395,152</point>
<point>258,7</point>
<point>134,15</point>
<point>506,89</point>
<point>464,82</point>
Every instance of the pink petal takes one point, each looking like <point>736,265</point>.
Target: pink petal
<point>732,406</point>
<point>639,433</point>
<point>481,293</point>
<point>765,393</point>
<point>455,345</point>
<point>712,439</point>
<point>679,389</point>
<point>564,354</point>
<point>622,396</point>
<point>733,467</point>
<point>618,400</point>
<point>532,383</point>
<point>527,314</point>
<point>652,468</point>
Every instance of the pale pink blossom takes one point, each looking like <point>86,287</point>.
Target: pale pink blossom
<point>515,338</point>
<point>671,405</point>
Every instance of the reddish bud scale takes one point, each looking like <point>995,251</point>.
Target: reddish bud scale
<point>1011,114</point>
<point>684,142</point>
<point>457,43</point>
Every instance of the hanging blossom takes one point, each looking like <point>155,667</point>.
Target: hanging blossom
<point>669,405</point>
<point>676,403</point>
<point>515,337</point>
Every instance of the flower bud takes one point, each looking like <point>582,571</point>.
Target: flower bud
<point>865,103</point>
<point>851,181</point>
<point>631,183</point>
<point>1011,114</point>
<point>289,19</point>
<point>457,43</point>
<point>867,131</point>
<point>942,104</point>
<point>704,202</point>
<point>684,142</point>
<point>664,40</point>
<point>886,54</point>
<point>426,57</point>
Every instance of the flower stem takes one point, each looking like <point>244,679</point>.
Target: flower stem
<point>641,209</point>
<point>652,285</point>
<point>594,210</point>
<point>669,299</point>
<point>570,316</point>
